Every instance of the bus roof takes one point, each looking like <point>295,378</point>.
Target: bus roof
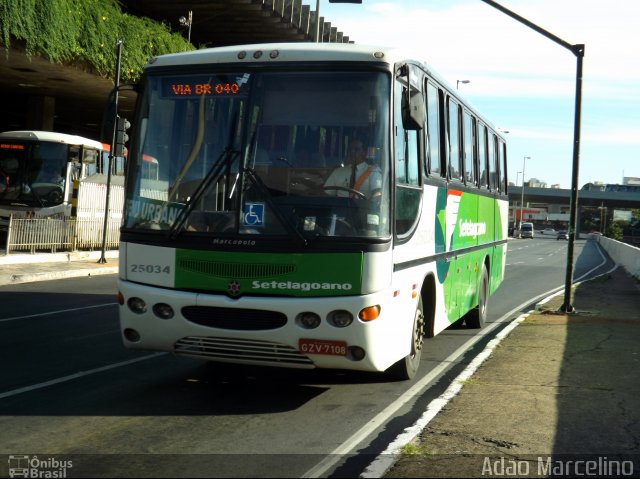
<point>51,136</point>
<point>276,52</point>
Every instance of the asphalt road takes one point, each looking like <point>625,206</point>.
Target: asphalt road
<point>69,389</point>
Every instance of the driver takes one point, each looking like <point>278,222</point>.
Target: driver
<point>356,175</point>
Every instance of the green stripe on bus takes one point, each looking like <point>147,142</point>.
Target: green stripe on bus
<point>321,274</point>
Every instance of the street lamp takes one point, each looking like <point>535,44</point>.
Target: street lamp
<point>603,218</point>
<point>462,81</point>
<point>515,216</point>
<point>187,22</point>
<point>522,198</point>
<point>578,51</point>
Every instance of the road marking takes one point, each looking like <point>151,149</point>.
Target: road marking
<point>77,375</point>
<point>57,312</point>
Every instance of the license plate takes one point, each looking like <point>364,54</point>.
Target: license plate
<point>323,346</point>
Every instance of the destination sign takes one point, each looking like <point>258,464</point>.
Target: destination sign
<point>11,146</point>
<point>189,87</point>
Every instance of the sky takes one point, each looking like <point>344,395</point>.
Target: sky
<point>523,82</point>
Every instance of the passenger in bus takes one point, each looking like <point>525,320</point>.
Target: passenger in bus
<point>355,174</point>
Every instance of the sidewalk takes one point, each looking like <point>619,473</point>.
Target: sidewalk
<point>558,388</point>
<point>26,268</point>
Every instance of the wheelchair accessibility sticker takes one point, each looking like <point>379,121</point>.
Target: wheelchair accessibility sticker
<point>253,214</point>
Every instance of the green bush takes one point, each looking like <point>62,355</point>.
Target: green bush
<point>86,32</point>
<point>614,231</point>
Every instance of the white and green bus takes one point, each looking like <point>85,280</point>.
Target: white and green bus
<point>239,250</point>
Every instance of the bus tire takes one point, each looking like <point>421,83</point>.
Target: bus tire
<point>407,367</point>
<point>476,318</point>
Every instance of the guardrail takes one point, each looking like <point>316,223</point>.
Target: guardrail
<point>61,234</point>
<point>624,254</point>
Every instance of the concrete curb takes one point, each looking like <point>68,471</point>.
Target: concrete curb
<point>26,258</point>
<point>50,275</point>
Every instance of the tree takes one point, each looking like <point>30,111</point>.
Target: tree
<point>614,231</point>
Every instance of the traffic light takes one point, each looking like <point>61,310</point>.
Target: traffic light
<point>122,125</point>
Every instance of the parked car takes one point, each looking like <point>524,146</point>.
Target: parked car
<point>562,235</point>
<point>548,231</point>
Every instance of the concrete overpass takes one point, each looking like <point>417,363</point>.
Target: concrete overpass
<point>554,196</point>
<point>551,206</point>
<point>37,94</point>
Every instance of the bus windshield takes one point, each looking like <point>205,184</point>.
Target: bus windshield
<point>36,167</point>
<point>32,173</point>
<point>268,153</point>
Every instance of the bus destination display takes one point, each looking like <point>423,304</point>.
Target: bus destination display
<point>190,87</point>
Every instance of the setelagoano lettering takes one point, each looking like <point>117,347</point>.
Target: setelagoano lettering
<point>292,285</point>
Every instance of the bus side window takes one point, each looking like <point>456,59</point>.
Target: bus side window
<point>482,156</point>
<point>432,135</point>
<point>408,193</point>
<point>455,157</point>
<point>407,152</point>
<point>469,150</point>
<point>499,186</point>
<point>505,181</point>
<point>493,178</point>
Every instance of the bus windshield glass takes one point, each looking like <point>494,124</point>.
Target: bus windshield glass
<point>32,173</point>
<point>261,153</point>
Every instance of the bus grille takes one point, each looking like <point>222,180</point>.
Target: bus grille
<point>246,351</point>
<point>236,270</point>
<point>234,318</point>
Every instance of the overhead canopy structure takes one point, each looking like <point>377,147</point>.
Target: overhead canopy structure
<point>236,22</point>
<point>40,95</point>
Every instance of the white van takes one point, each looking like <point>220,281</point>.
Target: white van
<point>526,230</point>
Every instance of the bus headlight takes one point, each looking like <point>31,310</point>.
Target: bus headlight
<point>340,318</point>
<point>308,320</point>
<point>137,305</point>
<point>163,310</point>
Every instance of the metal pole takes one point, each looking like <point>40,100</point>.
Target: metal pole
<point>567,306</point>
<point>578,51</point>
<point>515,208</point>
<point>317,21</point>
<point>522,192</point>
<point>103,259</point>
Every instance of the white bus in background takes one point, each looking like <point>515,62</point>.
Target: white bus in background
<point>37,169</point>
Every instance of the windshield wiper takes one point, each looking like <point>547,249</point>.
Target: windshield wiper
<point>225,158</point>
<point>257,182</point>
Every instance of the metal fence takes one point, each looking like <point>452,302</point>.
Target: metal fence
<point>61,234</point>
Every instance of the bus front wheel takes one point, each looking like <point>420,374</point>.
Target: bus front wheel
<point>407,367</point>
